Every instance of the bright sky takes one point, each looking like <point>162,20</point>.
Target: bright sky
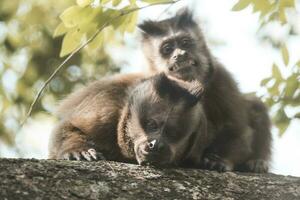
<point>247,58</point>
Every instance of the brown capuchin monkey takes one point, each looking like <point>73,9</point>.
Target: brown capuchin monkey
<point>161,122</point>
<point>239,124</point>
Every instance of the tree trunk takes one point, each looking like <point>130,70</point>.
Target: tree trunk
<point>50,179</point>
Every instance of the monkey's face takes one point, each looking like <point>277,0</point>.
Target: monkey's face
<point>162,119</point>
<point>177,47</point>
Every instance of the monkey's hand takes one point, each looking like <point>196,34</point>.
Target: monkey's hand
<point>215,162</point>
<point>257,166</point>
<point>82,154</point>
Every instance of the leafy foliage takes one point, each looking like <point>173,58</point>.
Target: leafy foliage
<point>283,85</point>
<point>81,21</point>
<point>29,54</point>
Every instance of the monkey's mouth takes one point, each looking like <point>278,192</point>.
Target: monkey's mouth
<point>185,70</point>
<point>155,163</point>
<point>184,66</point>
<point>154,159</point>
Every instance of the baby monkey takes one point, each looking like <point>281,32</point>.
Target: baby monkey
<point>163,123</point>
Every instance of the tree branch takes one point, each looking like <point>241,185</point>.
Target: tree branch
<point>52,179</point>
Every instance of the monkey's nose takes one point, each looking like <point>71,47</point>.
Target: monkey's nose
<point>152,144</point>
<point>155,145</point>
<point>179,55</point>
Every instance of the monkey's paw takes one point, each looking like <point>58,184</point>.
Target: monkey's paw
<point>215,162</point>
<point>257,166</point>
<point>86,155</point>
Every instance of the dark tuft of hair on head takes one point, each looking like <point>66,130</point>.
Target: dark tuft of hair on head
<point>184,17</point>
<point>151,28</point>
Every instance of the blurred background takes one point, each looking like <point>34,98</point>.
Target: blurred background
<point>257,40</point>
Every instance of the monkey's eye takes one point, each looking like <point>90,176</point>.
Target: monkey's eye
<point>167,49</point>
<point>151,125</point>
<point>185,43</point>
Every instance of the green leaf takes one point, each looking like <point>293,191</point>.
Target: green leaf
<point>282,127</point>
<point>116,2</point>
<point>282,16</point>
<point>132,2</point>
<point>265,81</point>
<point>69,16</point>
<point>157,1</point>
<point>269,102</point>
<point>285,54</point>
<point>70,42</point>
<point>298,63</point>
<point>292,85</point>
<point>79,18</point>
<point>241,4</point>
<point>132,19</point>
<point>286,3</point>
<point>105,1</point>
<point>297,115</point>
<point>263,6</point>
<point>97,42</point>
<point>274,90</point>
<point>60,30</point>
<point>83,3</point>
<point>281,120</point>
<point>276,72</point>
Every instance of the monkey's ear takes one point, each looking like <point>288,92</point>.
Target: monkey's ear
<point>151,28</point>
<point>185,17</point>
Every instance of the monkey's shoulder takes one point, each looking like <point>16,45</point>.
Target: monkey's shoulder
<point>108,90</point>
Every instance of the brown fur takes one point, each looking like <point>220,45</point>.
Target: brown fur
<point>238,126</point>
<point>91,124</point>
<point>181,129</point>
<point>89,118</point>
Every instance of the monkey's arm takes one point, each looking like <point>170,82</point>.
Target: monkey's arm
<point>249,151</point>
<point>90,122</point>
<point>228,150</point>
<point>90,126</point>
<point>226,110</point>
<point>260,123</point>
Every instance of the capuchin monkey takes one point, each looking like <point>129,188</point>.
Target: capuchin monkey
<point>239,124</point>
<point>163,123</point>
<point>159,121</point>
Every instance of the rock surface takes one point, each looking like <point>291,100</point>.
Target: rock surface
<point>50,179</point>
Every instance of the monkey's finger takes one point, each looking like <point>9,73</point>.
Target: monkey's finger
<point>76,155</point>
<point>208,164</point>
<point>211,165</point>
<point>100,156</point>
<point>251,166</point>
<point>221,167</point>
<point>66,156</point>
<point>86,155</point>
<point>260,166</point>
<point>93,153</point>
